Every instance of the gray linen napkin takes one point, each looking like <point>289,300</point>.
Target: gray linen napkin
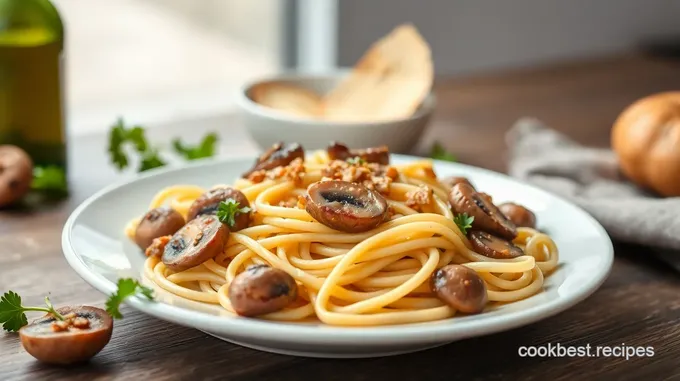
<point>590,178</point>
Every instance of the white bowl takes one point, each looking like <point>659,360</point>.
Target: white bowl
<point>268,126</point>
<point>96,247</point>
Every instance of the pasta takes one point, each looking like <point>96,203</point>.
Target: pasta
<point>377,277</point>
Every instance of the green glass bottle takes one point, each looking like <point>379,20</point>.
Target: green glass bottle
<point>31,92</point>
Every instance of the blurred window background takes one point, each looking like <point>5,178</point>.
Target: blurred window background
<point>159,60</point>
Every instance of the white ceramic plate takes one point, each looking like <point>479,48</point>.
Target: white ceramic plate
<point>95,246</point>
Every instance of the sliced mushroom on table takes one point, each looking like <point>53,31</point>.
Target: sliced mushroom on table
<point>16,174</point>
<point>84,333</point>
<point>345,206</point>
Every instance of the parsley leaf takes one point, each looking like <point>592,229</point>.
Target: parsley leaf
<point>227,211</point>
<point>119,135</point>
<point>126,287</point>
<point>205,149</point>
<point>12,313</point>
<point>150,160</point>
<point>438,152</point>
<point>464,222</point>
<point>50,178</point>
<point>356,160</point>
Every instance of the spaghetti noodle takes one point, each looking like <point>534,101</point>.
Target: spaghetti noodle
<point>376,277</point>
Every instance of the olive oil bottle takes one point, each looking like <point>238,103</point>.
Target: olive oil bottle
<point>31,92</point>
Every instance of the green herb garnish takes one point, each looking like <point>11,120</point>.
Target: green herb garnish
<point>205,149</point>
<point>13,313</point>
<point>49,178</point>
<point>120,135</point>
<point>438,152</point>
<point>149,157</point>
<point>464,222</point>
<point>227,211</point>
<point>126,287</point>
<point>356,160</point>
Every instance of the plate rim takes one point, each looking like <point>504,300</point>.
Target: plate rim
<point>336,335</point>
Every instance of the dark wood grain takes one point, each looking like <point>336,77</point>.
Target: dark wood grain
<point>638,305</point>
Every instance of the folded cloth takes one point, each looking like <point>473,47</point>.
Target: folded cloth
<point>590,178</point>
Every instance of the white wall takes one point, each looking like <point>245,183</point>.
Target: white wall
<point>476,35</point>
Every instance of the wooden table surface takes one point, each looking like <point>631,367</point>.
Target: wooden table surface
<point>638,305</point>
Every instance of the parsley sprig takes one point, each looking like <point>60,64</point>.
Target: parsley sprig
<point>49,178</point>
<point>126,287</point>
<point>205,149</point>
<point>135,136</point>
<point>438,152</point>
<point>13,312</point>
<point>150,157</point>
<point>464,222</point>
<point>227,211</point>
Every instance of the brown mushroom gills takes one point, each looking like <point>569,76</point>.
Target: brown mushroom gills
<point>339,151</point>
<point>16,174</point>
<point>518,214</point>
<point>209,202</point>
<point>460,287</point>
<point>345,206</point>
<point>279,155</point>
<point>157,222</point>
<point>464,199</point>
<point>492,246</point>
<point>260,290</point>
<point>69,346</point>
<point>199,240</point>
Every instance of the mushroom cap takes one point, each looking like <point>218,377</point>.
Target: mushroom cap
<point>261,289</point>
<point>492,246</point>
<point>71,346</point>
<point>16,174</point>
<point>464,199</point>
<point>199,240</point>
<point>345,206</point>
<point>157,222</point>
<point>460,287</point>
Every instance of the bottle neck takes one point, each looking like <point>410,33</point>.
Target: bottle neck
<point>29,23</point>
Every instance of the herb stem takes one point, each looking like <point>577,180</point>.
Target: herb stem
<point>43,309</point>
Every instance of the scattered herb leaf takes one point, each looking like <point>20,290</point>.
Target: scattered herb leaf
<point>464,222</point>
<point>150,158</point>
<point>205,149</point>
<point>126,287</point>
<point>438,152</point>
<point>50,178</point>
<point>13,314</point>
<point>356,161</point>
<point>119,135</point>
<point>228,210</point>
